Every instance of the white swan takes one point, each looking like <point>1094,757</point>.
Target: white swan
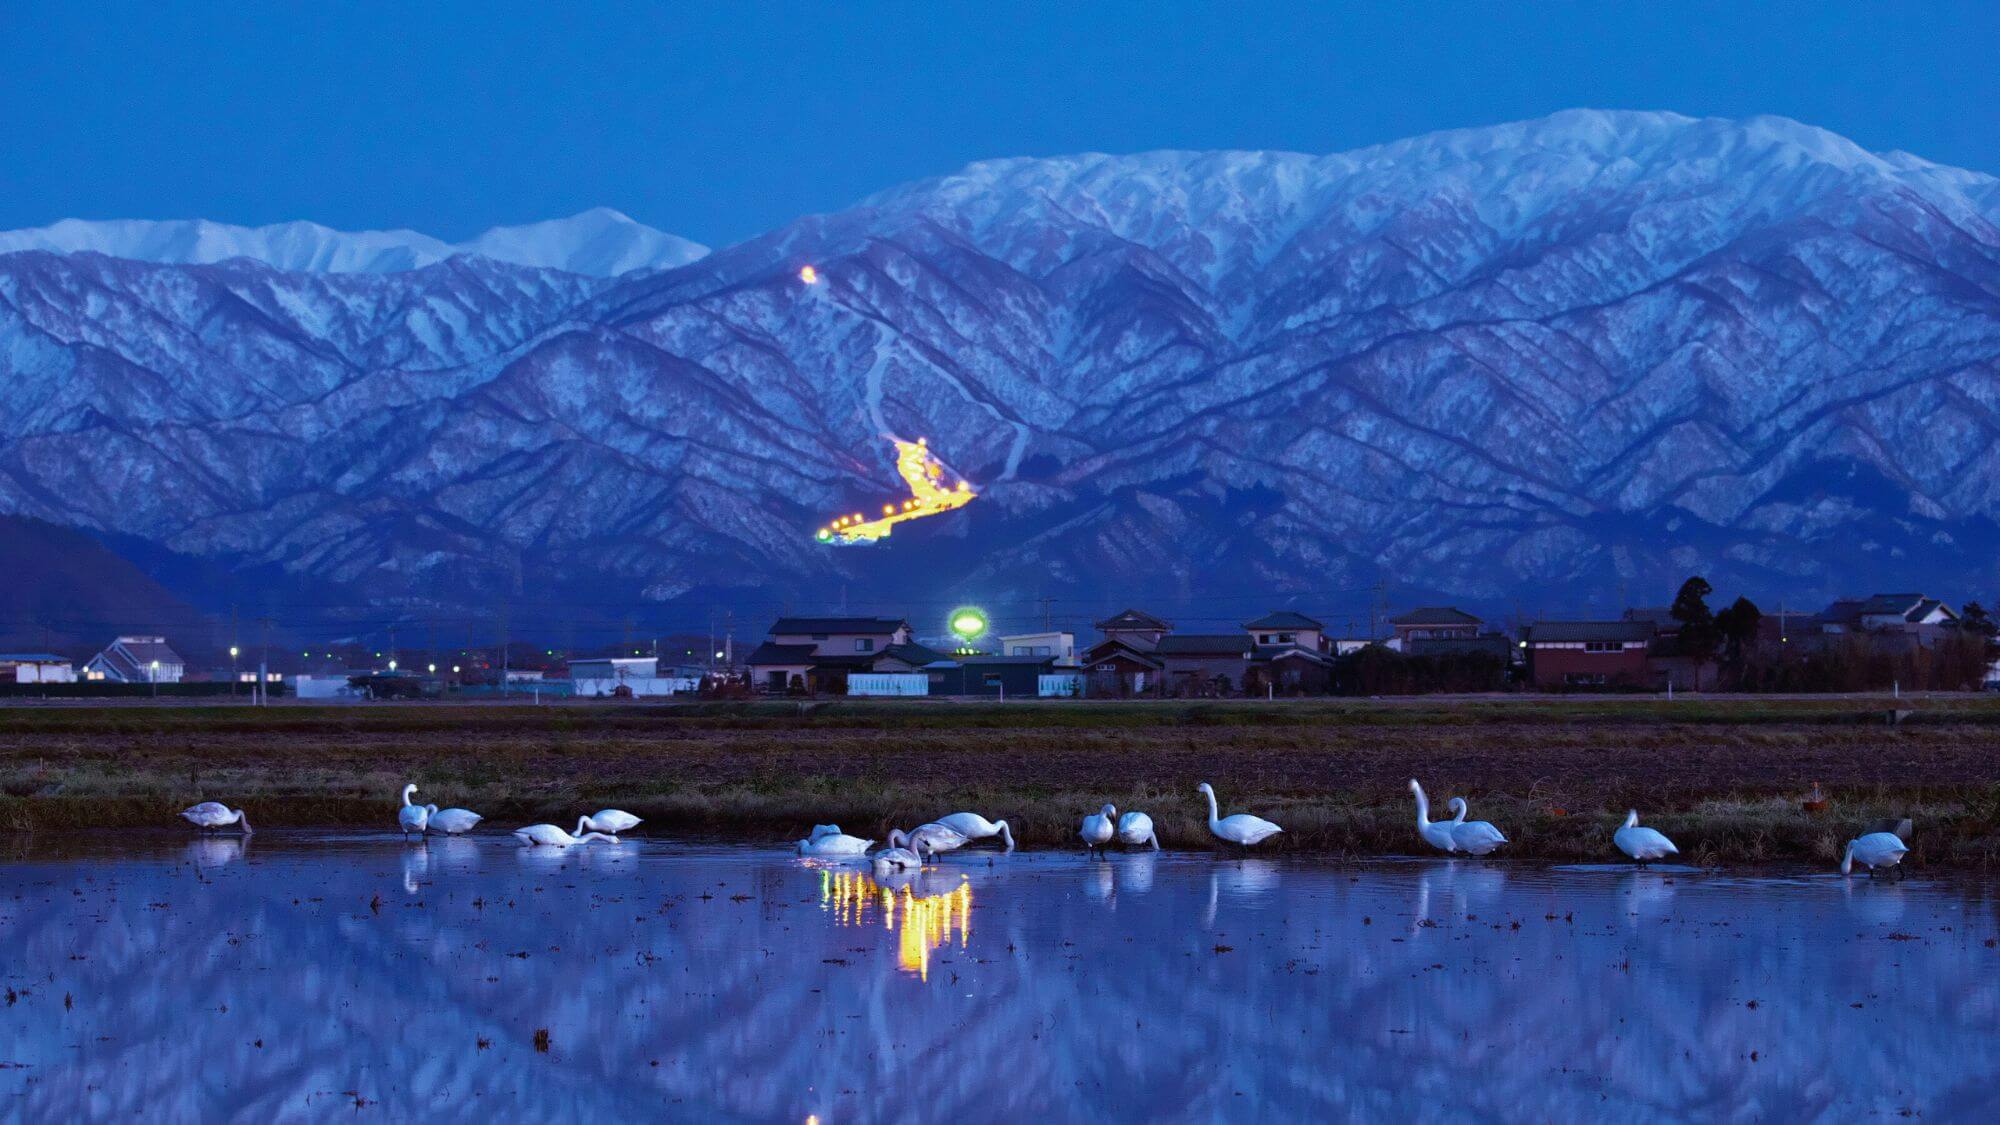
<point>1099,827</point>
<point>413,818</point>
<point>609,821</point>
<point>1477,837</point>
<point>213,814</point>
<point>1135,828</point>
<point>454,822</point>
<point>934,839</point>
<point>829,840</point>
<point>1642,844</point>
<point>898,856</point>
<point>1876,849</point>
<point>1436,833</point>
<point>972,826</point>
<point>551,836</point>
<point>1241,828</point>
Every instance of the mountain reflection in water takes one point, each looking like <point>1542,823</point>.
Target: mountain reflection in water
<point>290,977</point>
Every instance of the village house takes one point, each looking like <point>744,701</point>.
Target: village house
<point>1913,616</point>
<point>35,668</point>
<point>1281,651</point>
<point>1433,623</point>
<point>1572,654</point>
<point>1061,646</point>
<point>818,654</point>
<point>1124,662</point>
<point>137,660</point>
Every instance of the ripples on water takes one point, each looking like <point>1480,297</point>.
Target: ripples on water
<point>298,977</point>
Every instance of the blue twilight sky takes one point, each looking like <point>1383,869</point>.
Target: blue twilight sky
<point>718,121</point>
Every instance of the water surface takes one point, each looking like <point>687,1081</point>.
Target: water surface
<point>304,976</point>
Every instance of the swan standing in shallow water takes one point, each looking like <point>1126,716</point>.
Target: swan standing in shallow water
<point>829,840</point>
<point>1136,828</point>
<point>609,821</point>
<point>1477,837</point>
<point>454,822</point>
<point>934,839</point>
<point>1241,828</point>
<point>972,826</point>
<point>1642,844</point>
<point>1876,849</point>
<point>1098,828</point>
<point>550,836</point>
<point>898,856</point>
<point>210,815</point>
<point>413,818</point>
<point>1436,833</point>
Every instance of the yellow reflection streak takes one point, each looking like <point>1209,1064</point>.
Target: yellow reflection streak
<point>927,922</point>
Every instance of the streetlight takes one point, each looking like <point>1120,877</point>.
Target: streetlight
<point>233,677</point>
<point>392,666</point>
<point>156,679</point>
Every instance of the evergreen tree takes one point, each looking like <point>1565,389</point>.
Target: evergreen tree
<point>1698,635</point>
<point>1737,626</point>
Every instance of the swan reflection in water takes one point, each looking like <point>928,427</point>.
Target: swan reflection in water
<point>924,910</point>
<point>210,852</point>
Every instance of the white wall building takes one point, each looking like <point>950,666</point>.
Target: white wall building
<point>137,660</point>
<point>35,668</point>
<point>1062,646</point>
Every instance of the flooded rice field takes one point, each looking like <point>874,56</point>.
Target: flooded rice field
<point>300,976</point>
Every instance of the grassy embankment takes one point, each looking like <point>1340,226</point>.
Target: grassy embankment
<point>1724,777</point>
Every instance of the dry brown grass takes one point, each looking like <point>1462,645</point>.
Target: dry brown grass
<point>1725,782</point>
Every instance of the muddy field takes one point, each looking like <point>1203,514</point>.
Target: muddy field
<point>1727,779</point>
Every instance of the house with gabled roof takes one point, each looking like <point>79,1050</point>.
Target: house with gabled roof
<point>1438,622</point>
<point>137,659</point>
<point>1586,654</point>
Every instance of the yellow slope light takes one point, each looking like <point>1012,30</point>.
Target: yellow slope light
<point>924,474</point>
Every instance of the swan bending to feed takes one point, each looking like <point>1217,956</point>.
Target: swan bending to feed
<point>829,840</point>
<point>1436,833</point>
<point>898,856</point>
<point>552,836</point>
<point>972,826</point>
<point>1642,844</point>
<point>1477,837</point>
<point>1240,828</point>
<point>1099,827</point>
<point>454,822</point>
<point>413,818</point>
<point>1135,828</point>
<point>934,839</point>
<point>1876,849</point>
<point>609,821</point>
<point>213,814</point>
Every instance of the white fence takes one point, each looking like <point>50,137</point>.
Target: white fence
<point>889,683</point>
<point>640,685</point>
<point>1068,685</point>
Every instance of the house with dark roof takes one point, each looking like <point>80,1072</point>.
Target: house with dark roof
<point>1433,622</point>
<point>1285,627</point>
<point>1586,654</point>
<point>818,654</point>
<point>137,660</point>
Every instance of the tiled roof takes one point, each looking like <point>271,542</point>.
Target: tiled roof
<point>1283,619</point>
<point>868,626</point>
<point>1133,619</point>
<point>1492,644</point>
<point>1199,644</point>
<point>1436,615</point>
<point>31,658</point>
<point>1590,631</point>
<point>915,655</point>
<point>1290,652</point>
<point>770,652</point>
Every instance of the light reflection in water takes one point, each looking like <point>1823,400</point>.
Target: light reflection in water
<point>928,920</point>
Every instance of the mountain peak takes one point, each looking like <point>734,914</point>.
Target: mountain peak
<point>600,242</point>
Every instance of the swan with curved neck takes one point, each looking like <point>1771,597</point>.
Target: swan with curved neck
<point>210,815</point>
<point>1136,829</point>
<point>1475,837</point>
<point>829,840</point>
<point>1873,850</point>
<point>1436,833</point>
<point>1642,844</point>
<point>1241,829</point>
<point>934,839</point>
<point>552,836</point>
<point>413,818</point>
<point>1098,828</point>
<point>898,856</point>
<point>972,826</point>
<point>609,821</point>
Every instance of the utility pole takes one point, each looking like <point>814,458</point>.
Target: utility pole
<point>1048,617</point>
<point>262,693</point>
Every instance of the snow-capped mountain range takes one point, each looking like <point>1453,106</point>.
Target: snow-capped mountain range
<point>599,242</point>
<point>1529,366</point>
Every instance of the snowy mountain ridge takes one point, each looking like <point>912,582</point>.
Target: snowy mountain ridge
<point>1525,367</point>
<point>597,243</point>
